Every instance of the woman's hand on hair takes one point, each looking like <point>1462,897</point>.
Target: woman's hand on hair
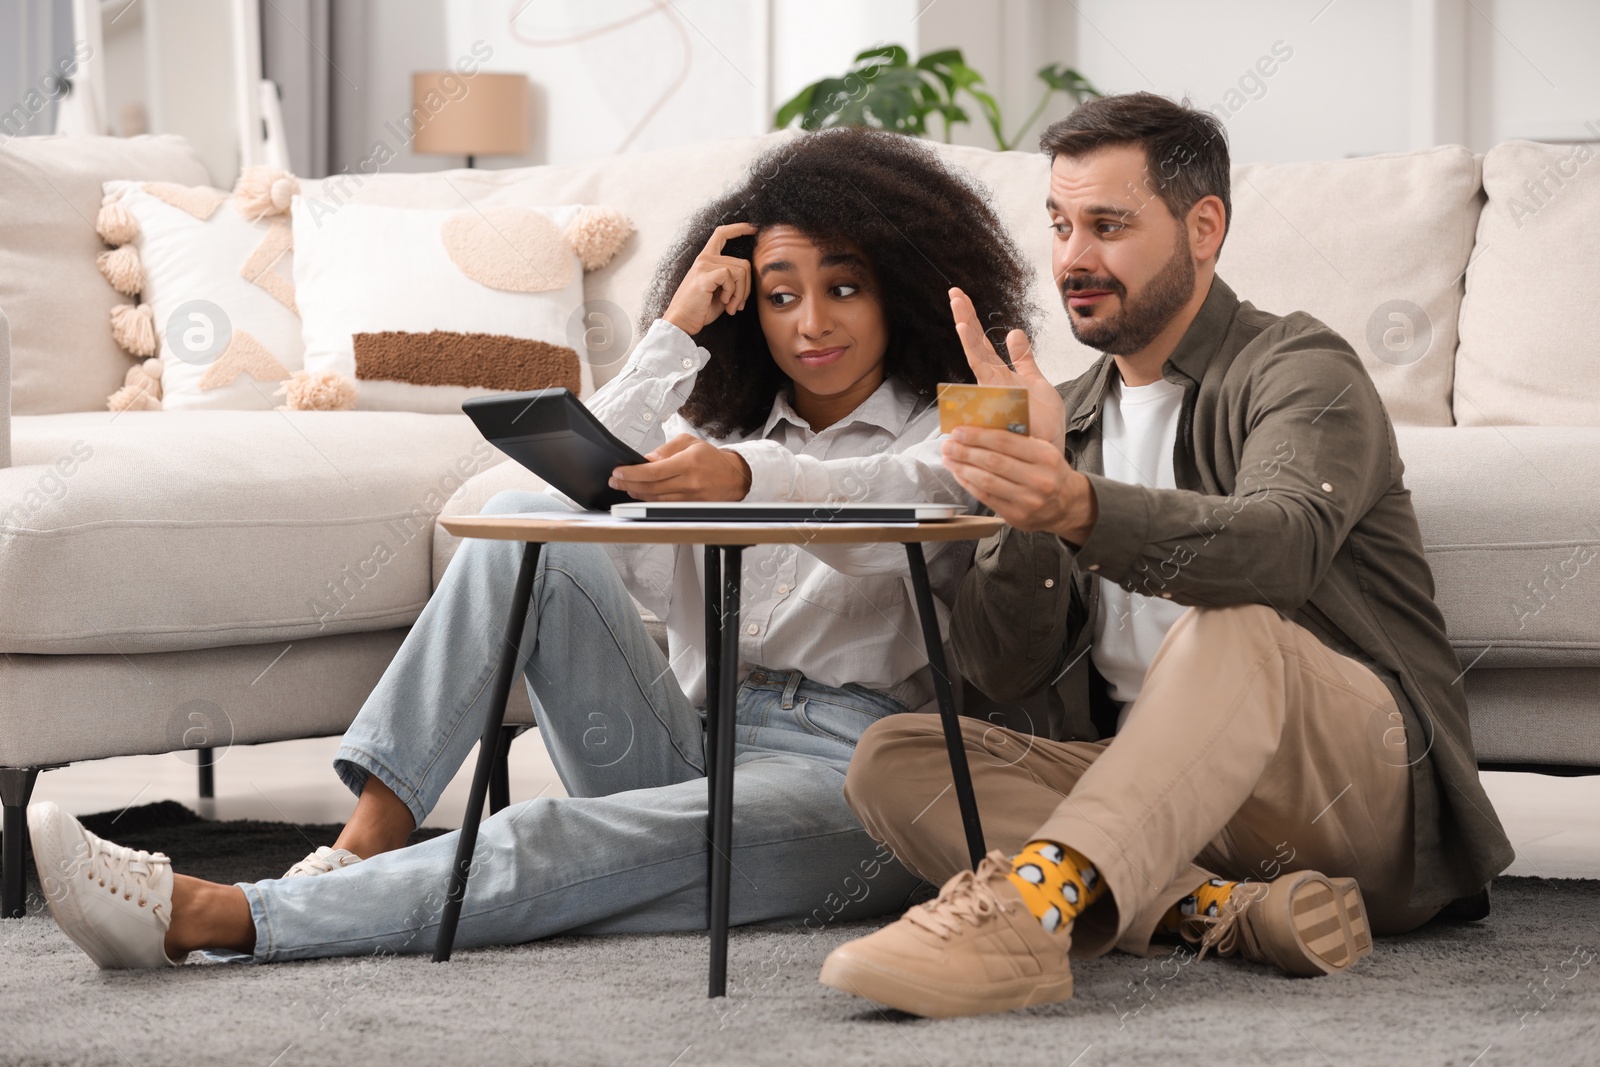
<point>715,283</point>
<point>1047,415</point>
<point>686,468</point>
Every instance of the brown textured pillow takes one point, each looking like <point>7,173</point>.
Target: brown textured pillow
<point>62,354</point>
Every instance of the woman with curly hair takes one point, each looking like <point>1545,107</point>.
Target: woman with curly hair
<point>855,247</point>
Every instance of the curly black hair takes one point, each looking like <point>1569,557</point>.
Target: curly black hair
<point>922,227</point>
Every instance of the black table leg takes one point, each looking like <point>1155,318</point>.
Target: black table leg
<point>713,597</point>
<point>720,726</point>
<point>959,772</point>
<point>488,746</point>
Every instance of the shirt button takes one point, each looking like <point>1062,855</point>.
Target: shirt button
<point>1327,487</point>
<point>782,589</point>
<point>687,363</point>
<point>646,417</point>
<point>752,629</point>
<point>1049,583</point>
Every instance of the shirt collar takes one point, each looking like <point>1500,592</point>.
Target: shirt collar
<point>1188,360</point>
<point>888,408</point>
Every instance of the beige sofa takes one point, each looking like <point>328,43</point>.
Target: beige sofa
<point>183,580</point>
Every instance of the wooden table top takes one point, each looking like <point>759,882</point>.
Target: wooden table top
<point>545,528</point>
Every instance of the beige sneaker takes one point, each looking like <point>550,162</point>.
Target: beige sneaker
<point>322,861</point>
<point>1305,923</point>
<point>973,949</point>
<point>114,902</point>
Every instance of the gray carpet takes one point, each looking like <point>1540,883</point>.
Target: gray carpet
<point>1520,987</point>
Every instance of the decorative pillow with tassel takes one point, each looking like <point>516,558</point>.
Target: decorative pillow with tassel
<point>419,309</point>
<point>212,283</point>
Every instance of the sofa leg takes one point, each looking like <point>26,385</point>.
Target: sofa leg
<point>208,777</point>
<point>500,774</point>
<point>16,786</point>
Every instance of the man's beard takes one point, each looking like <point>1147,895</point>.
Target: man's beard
<point>1140,320</point>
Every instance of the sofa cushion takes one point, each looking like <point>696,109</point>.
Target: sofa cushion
<point>1528,352</point>
<point>158,531</point>
<point>1373,247</point>
<point>1534,716</point>
<point>1353,242</point>
<point>63,357</point>
<point>1508,518</point>
<point>1350,241</point>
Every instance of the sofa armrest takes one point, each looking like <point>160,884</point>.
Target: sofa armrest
<point>5,390</point>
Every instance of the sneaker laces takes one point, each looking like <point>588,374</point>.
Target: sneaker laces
<point>323,860</point>
<point>1228,931</point>
<point>965,898</point>
<point>120,869</point>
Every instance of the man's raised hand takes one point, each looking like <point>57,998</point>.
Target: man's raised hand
<point>1024,480</point>
<point>1047,418</point>
<point>715,283</point>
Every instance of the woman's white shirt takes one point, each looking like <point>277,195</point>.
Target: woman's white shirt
<point>837,613</point>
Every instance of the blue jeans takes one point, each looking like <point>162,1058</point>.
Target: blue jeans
<point>626,851</point>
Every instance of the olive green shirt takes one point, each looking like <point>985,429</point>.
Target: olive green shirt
<point>1289,495</point>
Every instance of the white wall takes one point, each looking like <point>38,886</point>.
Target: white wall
<point>1534,70</point>
<point>1350,77</point>
<point>1340,92</point>
<point>689,69</point>
<point>189,50</point>
<point>815,39</point>
<point>1007,41</point>
<point>593,81</point>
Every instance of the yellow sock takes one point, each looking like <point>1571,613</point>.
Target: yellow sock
<point>1056,882</point>
<point>1207,899</point>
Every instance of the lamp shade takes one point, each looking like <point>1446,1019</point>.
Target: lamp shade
<point>480,115</point>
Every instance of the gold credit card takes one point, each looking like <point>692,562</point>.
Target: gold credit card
<point>999,407</point>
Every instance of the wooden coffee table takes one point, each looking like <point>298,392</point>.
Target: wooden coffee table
<point>724,543</point>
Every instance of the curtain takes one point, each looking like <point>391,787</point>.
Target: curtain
<point>315,52</point>
<point>35,44</point>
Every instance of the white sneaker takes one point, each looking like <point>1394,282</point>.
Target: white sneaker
<point>322,861</point>
<point>114,902</point>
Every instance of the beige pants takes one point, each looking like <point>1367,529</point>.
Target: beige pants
<point>1253,750</point>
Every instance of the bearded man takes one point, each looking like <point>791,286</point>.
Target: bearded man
<point>1212,561</point>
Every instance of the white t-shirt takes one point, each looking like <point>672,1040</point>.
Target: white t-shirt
<point>1139,429</point>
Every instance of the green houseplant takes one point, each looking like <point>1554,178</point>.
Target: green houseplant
<point>884,88</point>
